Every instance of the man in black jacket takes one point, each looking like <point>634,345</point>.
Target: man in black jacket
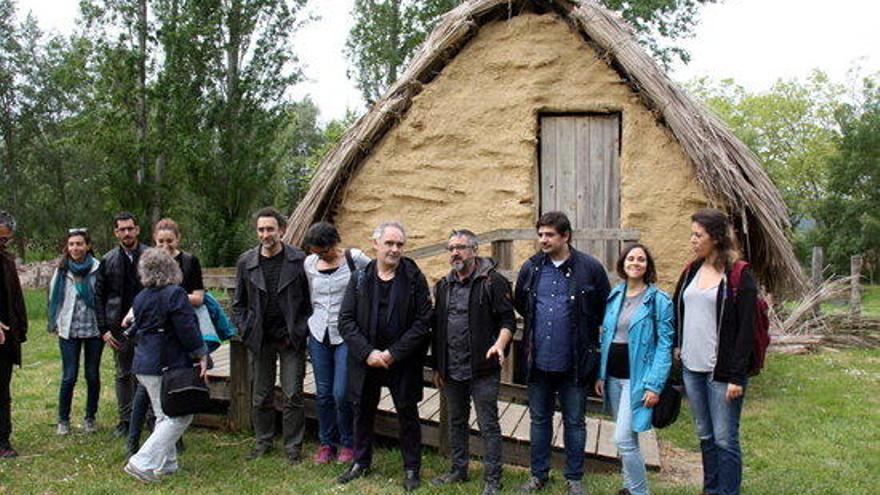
<point>271,310</point>
<point>115,287</point>
<point>473,323</point>
<point>13,330</point>
<point>385,320</point>
<point>560,293</point>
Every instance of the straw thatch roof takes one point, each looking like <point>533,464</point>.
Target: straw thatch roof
<point>727,170</point>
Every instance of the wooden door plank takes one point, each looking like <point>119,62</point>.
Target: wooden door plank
<point>386,402</point>
<point>548,163</point>
<point>566,165</point>
<point>521,432</point>
<point>558,433</point>
<point>650,448</point>
<point>511,418</point>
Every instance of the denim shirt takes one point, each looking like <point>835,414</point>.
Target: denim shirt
<point>552,322</point>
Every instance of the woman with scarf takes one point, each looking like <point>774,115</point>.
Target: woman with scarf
<point>72,317</point>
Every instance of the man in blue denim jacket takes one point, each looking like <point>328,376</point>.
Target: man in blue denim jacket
<point>560,292</point>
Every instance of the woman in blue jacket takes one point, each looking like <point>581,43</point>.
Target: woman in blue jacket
<point>168,335</point>
<point>636,347</point>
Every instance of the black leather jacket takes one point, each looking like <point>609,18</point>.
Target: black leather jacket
<point>111,300</point>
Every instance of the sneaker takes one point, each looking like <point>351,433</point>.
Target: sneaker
<point>411,480</point>
<point>451,476</point>
<point>324,454</point>
<point>354,472</point>
<point>63,428</point>
<point>491,488</point>
<point>8,453</point>
<point>167,470</point>
<point>346,455</point>
<point>144,476</point>
<point>121,430</point>
<point>90,426</point>
<point>533,485</point>
<point>259,451</point>
<point>575,487</point>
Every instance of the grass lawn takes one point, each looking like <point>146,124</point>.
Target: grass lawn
<point>810,426</point>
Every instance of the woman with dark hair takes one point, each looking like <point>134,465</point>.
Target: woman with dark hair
<point>714,342</point>
<point>167,335</point>
<point>636,348</point>
<point>72,317</point>
<point>329,268</point>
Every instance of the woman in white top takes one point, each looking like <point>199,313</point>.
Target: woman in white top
<point>329,268</point>
<point>714,323</point>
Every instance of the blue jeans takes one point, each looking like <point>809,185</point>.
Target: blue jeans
<point>70,351</point>
<point>331,382</point>
<point>633,464</point>
<point>717,423</point>
<point>544,388</point>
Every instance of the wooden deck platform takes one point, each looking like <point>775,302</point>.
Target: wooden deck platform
<point>513,418</point>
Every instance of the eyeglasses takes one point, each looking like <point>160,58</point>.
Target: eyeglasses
<point>78,230</point>
<point>458,247</point>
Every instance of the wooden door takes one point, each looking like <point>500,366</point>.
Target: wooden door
<point>580,175</point>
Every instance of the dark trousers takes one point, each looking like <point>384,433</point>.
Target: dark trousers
<point>140,412</point>
<point>544,389</point>
<point>5,398</point>
<point>263,371</point>
<point>484,392</point>
<point>71,349</point>
<point>365,418</point>
<point>125,380</point>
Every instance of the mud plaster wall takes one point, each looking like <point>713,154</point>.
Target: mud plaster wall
<point>465,153</point>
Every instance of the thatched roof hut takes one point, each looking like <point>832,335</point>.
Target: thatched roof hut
<point>461,140</point>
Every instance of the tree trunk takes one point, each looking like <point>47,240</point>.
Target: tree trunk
<point>142,93</point>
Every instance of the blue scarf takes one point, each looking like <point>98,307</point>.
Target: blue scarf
<point>82,270</point>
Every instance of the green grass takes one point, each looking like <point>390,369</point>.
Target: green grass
<point>810,427</point>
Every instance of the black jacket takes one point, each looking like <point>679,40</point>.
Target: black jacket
<point>736,318</point>
<point>166,329</point>
<point>249,302</point>
<point>112,301</point>
<point>588,290</point>
<point>12,309</point>
<point>411,301</point>
<point>490,308</point>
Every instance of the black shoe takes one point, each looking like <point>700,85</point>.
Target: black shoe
<point>451,476</point>
<point>120,431</point>
<point>533,485</point>
<point>354,472</point>
<point>491,488</point>
<point>181,447</point>
<point>294,457</point>
<point>623,491</point>
<point>259,451</point>
<point>411,480</point>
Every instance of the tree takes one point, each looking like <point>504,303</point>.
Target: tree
<point>386,33</point>
<point>790,127</point>
<point>850,216</point>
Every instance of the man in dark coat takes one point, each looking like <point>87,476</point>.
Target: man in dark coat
<point>271,310</point>
<point>473,323</point>
<point>13,330</point>
<point>385,321</point>
<point>560,293</point>
<point>115,287</point>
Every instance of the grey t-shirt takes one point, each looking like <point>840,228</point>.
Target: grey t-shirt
<point>630,304</point>
<point>700,339</point>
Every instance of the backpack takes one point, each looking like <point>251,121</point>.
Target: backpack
<point>761,327</point>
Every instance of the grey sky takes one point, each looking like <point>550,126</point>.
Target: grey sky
<point>752,41</point>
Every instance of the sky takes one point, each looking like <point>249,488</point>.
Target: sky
<point>755,42</point>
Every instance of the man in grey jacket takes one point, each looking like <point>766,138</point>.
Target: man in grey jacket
<point>271,309</point>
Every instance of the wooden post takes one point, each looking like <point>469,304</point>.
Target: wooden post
<point>855,295</point>
<point>502,251</point>
<point>818,266</point>
<point>239,387</point>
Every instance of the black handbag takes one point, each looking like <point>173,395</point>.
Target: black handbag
<point>183,391</point>
<point>667,408</point>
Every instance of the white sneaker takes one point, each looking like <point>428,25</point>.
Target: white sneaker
<point>63,428</point>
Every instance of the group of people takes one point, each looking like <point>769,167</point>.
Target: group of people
<point>371,323</point>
